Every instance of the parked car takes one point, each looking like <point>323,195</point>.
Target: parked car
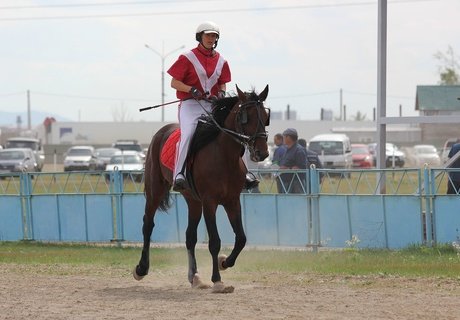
<point>334,150</point>
<point>424,153</point>
<point>131,145</point>
<point>392,153</point>
<point>128,161</point>
<point>31,143</point>
<point>103,157</point>
<point>17,160</point>
<point>80,158</point>
<point>362,157</point>
<point>446,149</point>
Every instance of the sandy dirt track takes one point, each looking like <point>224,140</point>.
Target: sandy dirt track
<point>35,292</point>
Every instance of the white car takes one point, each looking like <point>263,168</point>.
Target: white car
<point>424,153</point>
<point>80,158</point>
<point>127,161</point>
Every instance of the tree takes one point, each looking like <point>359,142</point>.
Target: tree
<point>121,114</point>
<point>359,116</point>
<point>449,68</point>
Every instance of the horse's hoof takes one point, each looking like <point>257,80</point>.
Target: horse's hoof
<point>220,260</point>
<point>198,284</point>
<point>219,287</point>
<point>136,276</point>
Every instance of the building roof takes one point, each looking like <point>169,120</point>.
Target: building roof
<point>438,98</point>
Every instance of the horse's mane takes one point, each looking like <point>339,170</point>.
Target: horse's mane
<point>222,107</point>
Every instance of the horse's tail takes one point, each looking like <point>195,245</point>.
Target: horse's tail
<point>155,182</point>
<point>165,202</point>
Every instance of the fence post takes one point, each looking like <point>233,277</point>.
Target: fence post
<point>314,207</point>
<point>26,207</point>
<point>116,190</point>
<point>428,210</point>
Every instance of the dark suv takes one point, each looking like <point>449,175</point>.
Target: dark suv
<point>131,145</point>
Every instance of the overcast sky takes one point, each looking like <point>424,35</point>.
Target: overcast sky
<point>86,59</point>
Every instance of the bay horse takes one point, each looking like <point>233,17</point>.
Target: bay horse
<point>218,178</point>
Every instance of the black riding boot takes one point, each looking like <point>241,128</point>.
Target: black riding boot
<point>179,183</point>
<point>251,181</point>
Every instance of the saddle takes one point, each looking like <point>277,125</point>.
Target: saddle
<point>205,132</point>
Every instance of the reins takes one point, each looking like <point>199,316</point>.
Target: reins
<point>240,138</point>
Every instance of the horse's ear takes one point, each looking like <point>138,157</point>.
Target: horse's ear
<point>263,95</point>
<point>241,94</point>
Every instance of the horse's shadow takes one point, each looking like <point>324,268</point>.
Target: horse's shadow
<point>170,293</point>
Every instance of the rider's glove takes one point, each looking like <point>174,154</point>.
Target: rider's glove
<point>221,94</point>
<point>195,93</point>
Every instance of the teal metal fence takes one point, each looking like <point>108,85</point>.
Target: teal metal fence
<point>374,208</point>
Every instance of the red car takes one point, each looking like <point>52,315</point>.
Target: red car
<point>362,157</point>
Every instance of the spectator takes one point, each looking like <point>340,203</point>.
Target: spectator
<point>303,143</point>
<point>294,158</point>
<point>280,149</point>
<point>453,184</point>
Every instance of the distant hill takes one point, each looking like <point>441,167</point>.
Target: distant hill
<point>8,119</point>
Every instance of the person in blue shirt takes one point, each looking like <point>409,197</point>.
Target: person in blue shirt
<point>453,185</point>
<point>295,157</point>
<point>280,149</point>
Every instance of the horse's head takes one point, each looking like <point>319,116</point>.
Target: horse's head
<point>251,119</point>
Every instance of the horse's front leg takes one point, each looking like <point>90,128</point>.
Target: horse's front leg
<point>234,215</point>
<point>209,212</point>
<point>194,217</point>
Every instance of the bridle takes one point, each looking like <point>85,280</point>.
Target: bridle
<point>241,119</point>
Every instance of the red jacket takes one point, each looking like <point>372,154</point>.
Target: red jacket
<point>184,71</point>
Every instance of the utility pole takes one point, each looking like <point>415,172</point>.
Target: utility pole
<point>341,104</point>
<point>29,117</point>
<point>163,56</point>
<point>381,90</point>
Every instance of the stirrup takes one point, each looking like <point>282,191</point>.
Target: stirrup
<point>251,181</point>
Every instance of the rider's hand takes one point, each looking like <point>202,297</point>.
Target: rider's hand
<point>195,93</point>
<point>221,94</point>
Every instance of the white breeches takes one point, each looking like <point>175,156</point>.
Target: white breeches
<point>189,112</point>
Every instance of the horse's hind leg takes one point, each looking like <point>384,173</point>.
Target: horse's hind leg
<point>151,205</point>
<point>194,217</point>
<point>142,268</point>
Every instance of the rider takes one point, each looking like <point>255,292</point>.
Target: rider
<point>198,76</point>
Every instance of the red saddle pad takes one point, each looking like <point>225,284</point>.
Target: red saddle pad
<point>168,152</point>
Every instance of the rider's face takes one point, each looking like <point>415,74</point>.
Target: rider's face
<point>208,40</point>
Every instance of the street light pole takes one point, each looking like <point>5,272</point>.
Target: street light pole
<point>163,56</point>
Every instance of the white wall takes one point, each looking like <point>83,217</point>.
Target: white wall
<point>108,132</point>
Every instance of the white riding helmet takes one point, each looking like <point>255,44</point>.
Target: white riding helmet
<point>207,27</point>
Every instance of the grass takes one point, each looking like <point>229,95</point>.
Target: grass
<point>417,261</point>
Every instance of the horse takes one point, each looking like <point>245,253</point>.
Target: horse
<point>218,178</point>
